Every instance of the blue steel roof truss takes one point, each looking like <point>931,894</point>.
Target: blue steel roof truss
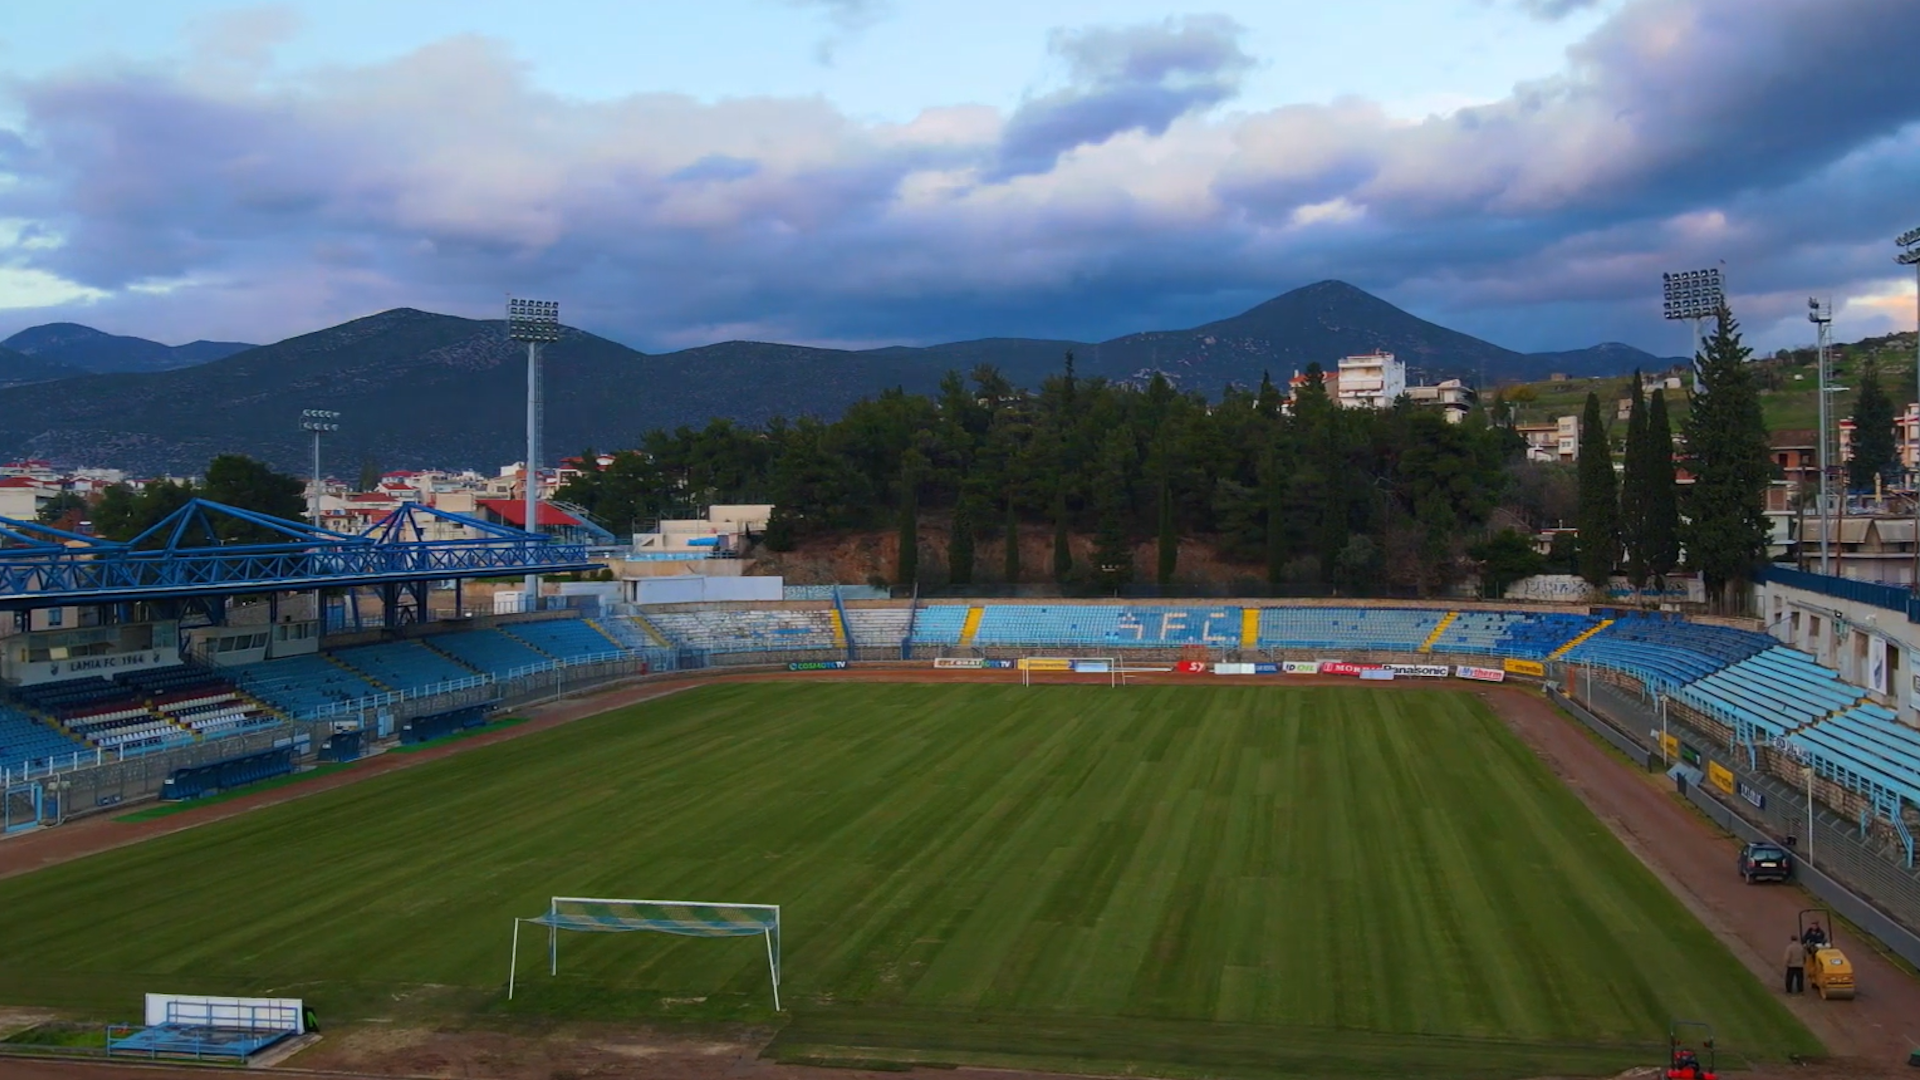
<point>105,572</point>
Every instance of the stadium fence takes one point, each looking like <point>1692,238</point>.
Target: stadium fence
<point>1860,860</point>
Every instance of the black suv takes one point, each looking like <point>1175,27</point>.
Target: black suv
<point>1765,862</point>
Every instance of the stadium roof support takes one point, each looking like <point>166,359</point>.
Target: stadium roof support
<point>184,555</point>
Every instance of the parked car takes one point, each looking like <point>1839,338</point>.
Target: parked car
<point>1765,861</point>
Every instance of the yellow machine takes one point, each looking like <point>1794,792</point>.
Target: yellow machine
<point>1828,969</point>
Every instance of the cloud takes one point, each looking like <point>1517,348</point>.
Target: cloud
<point>1558,9</point>
<point>850,19</point>
<point>1779,135</point>
<point>1133,78</point>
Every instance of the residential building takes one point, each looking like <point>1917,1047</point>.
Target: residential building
<point>1554,442</point>
<point>1453,396</point>
<point>1371,380</point>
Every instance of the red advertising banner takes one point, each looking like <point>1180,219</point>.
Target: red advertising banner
<point>1191,667</point>
<point>1340,667</point>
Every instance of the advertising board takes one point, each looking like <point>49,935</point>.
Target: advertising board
<point>1191,667</point>
<point>1233,669</point>
<point>816,665</point>
<point>1533,668</point>
<point>1300,667</point>
<point>1098,667</point>
<point>1377,674</point>
<point>959,662</point>
<point>1045,663</point>
<point>1421,671</point>
<point>1339,667</point>
<point>1720,776</point>
<point>1481,674</point>
<point>1266,669</point>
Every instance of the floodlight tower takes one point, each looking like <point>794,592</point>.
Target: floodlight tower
<point>319,422</point>
<point>1909,243</point>
<point>1821,316</point>
<point>1693,295</point>
<point>534,322</point>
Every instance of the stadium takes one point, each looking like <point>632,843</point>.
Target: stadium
<point>1253,838</point>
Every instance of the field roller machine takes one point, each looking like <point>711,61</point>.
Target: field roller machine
<point>1684,1062</point>
<point>1828,970</point>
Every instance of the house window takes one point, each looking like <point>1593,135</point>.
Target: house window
<point>56,617</point>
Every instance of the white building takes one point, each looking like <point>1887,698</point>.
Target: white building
<point>1371,380</point>
<point>1453,397</point>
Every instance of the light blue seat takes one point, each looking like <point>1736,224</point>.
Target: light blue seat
<point>488,650</point>
<point>405,665</point>
<point>564,639</point>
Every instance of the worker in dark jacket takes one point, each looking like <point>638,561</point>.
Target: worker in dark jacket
<point>1796,966</point>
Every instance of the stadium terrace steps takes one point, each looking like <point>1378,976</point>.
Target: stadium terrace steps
<point>878,627</point>
<point>839,627</point>
<point>1575,643</point>
<point>1250,628</point>
<point>28,741</point>
<point>658,639</point>
<point>564,639</point>
<point>971,627</point>
<point>1445,621</point>
<point>344,666</point>
<point>751,631</point>
<point>403,665</point>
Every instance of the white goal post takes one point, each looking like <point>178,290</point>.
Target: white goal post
<point>684,918</point>
<point>1109,666</point>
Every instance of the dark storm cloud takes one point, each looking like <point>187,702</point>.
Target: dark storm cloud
<point>1136,78</point>
<point>1780,135</point>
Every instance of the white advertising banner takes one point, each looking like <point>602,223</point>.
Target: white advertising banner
<point>1481,674</point>
<point>1300,667</point>
<point>1233,669</point>
<point>1877,663</point>
<point>1421,671</point>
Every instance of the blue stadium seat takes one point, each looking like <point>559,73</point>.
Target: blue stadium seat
<point>489,650</point>
<point>939,624</point>
<point>1335,628</point>
<point>28,743</point>
<point>564,639</point>
<point>404,665</point>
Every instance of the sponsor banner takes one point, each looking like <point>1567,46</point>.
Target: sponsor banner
<point>1045,663</point>
<point>1877,663</point>
<point>1191,667</point>
<point>1720,776</point>
<point>1378,674</point>
<point>1669,746</point>
<point>959,662</point>
<point>999,665</point>
<point>816,665</point>
<point>1481,674</point>
<point>1752,794</point>
<point>1338,667</point>
<point>1094,667</point>
<point>1300,667</point>
<point>1690,754</point>
<point>1266,669</point>
<point>1233,669</point>
<point>1525,667</point>
<point>1421,671</point>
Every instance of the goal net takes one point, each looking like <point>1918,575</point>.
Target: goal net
<point>683,918</point>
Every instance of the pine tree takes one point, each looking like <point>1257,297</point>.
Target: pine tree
<point>1727,453</point>
<point>1634,474</point>
<point>1169,539</point>
<point>1873,449</point>
<point>1660,492</point>
<point>1599,515</point>
<point>960,545</point>
<point>1274,490</point>
<point>1011,565</point>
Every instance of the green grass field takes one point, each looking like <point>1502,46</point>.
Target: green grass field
<point>1176,881</point>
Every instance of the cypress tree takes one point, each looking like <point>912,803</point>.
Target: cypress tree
<point>960,546</point>
<point>1169,539</point>
<point>1274,489</point>
<point>906,569</point>
<point>1634,475</point>
<point>1012,558</point>
<point>1599,511</point>
<point>1062,548</point>
<point>1659,491</point>
<point>1873,449</point>
<point>1727,453</point>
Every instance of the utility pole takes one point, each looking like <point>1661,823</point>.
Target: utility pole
<point>1822,319</point>
<point>1909,243</point>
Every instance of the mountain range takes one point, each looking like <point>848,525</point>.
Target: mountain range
<point>419,389</point>
<point>78,350</point>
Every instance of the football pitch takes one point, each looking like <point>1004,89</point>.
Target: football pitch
<point>1166,880</point>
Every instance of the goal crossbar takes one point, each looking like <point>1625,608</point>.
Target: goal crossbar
<point>684,918</point>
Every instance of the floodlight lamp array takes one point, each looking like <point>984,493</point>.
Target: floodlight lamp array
<point>1908,238</point>
<point>318,420</point>
<point>1691,294</point>
<point>533,320</point>
<point>1816,313</point>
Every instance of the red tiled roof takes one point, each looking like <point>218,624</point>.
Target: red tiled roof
<point>18,482</point>
<point>514,512</point>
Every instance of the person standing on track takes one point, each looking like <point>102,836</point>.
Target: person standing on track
<point>1796,966</point>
